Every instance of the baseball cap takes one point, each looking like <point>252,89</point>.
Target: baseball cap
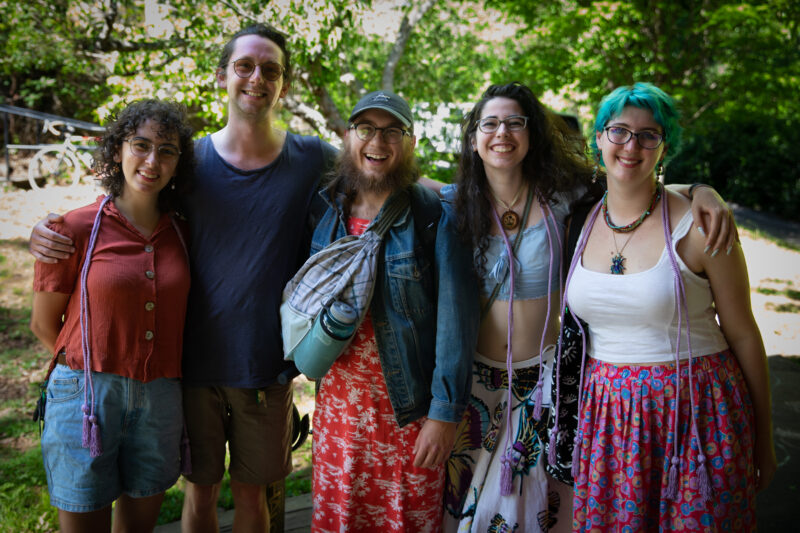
<point>387,101</point>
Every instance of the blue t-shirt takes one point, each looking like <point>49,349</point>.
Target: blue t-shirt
<point>246,238</point>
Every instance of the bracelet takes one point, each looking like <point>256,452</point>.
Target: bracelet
<point>693,186</point>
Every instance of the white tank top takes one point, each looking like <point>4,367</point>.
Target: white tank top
<point>633,318</point>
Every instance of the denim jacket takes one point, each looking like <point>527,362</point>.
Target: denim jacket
<point>425,316</point>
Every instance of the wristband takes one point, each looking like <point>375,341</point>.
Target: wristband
<point>693,186</point>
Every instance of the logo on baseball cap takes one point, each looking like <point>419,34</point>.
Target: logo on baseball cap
<point>387,101</point>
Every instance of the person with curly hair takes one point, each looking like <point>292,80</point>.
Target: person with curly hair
<point>112,315</point>
<point>522,170</point>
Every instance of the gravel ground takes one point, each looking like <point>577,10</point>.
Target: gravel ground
<point>771,267</point>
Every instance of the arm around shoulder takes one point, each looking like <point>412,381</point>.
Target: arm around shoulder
<point>48,246</point>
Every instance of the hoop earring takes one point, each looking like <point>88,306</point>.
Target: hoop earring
<point>660,171</point>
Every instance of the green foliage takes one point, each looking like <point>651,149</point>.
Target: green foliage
<point>172,506</point>
<point>749,158</point>
<point>24,502</point>
<point>43,67</point>
<point>732,66</point>
<point>298,482</point>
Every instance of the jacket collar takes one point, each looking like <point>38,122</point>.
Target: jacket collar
<point>337,202</point>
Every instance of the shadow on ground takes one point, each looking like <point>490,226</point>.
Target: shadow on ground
<point>777,505</point>
<point>769,224</point>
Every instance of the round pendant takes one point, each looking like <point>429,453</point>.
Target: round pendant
<point>510,220</point>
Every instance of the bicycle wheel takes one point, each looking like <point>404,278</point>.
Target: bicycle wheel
<point>55,165</point>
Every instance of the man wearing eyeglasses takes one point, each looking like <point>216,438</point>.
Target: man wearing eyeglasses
<point>253,188</point>
<point>387,410</point>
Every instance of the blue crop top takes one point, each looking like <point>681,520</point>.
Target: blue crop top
<point>532,256</point>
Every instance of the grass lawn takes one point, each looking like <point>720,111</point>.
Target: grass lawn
<point>24,501</point>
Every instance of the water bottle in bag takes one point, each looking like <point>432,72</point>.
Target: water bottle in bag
<point>327,339</point>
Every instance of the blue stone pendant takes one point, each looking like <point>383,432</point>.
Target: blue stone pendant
<point>617,264</point>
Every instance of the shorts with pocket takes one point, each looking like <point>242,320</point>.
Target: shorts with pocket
<point>141,425</point>
<point>256,424</point>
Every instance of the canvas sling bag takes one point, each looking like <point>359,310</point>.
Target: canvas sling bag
<point>342,271</point>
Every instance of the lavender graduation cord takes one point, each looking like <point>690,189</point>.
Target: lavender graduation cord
<point>90,435</point>
<point>682,305</point>
<point>506,479</point>
<point>91,427</point>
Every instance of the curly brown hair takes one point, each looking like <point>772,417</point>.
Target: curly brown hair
<point>171,118</point>
<point>555,162</point>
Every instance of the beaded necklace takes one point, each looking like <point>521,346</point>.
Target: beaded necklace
<point>636,223</point>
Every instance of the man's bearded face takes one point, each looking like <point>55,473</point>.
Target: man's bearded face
<point>375,165</point>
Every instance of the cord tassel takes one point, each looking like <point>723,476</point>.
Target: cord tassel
<point>672,486</point>
<point>576,454</point>
<point>706,490</point>
<point>537,399</point>
<point>95,442</point>
<point>85,432</point>
<point>551,449</point>
<point>506,480</point>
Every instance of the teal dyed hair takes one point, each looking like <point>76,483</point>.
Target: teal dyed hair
<point>644,96</point>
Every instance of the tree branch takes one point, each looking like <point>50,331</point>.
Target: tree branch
<point>410,20</point>
<point>333,119</point>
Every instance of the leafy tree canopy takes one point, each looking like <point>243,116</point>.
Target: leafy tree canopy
<point>732,66</point>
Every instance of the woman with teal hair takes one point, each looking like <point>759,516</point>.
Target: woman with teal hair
<point>674,412</point>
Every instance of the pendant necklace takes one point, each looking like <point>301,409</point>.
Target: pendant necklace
<point>618,260</point>
<point>509,219</point>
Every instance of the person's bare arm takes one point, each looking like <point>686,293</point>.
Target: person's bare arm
<point>435,186</point>
<point>730,286</point>
<point>48,309</point>
<point>48,246</point>
<point>713,217</point>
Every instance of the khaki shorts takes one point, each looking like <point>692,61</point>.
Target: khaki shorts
<point>256,424</point>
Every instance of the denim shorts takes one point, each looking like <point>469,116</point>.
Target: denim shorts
<point>141,426</point>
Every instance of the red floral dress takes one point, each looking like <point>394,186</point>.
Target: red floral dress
<point>364,478</point>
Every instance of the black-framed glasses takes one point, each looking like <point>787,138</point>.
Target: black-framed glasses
<point>142,148</point>
<point>390,134</point>
<point>245,67</point>
<point>492,124</point>
<point>649,140</point>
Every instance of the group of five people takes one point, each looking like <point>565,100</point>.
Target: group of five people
<point>441,412</point>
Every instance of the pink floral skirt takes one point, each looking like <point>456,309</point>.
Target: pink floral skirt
<point>626,424</point>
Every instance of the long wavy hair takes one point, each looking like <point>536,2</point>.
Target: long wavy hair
<point>170,117</point>
<point>556,162</point>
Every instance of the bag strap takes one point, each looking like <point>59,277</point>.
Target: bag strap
<point>397,203</point>
<point>517,241</point>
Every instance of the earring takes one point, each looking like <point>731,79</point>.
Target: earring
<point>660,171</point>
<point>172,184</point>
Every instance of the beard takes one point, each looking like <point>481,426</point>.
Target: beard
<point>355,180</point>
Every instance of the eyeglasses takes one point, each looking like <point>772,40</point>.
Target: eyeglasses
<point>647,139</point>
<point>492,124</point>
<point>245,67</point>
<point>142,148</point>
<point>390,135</point>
